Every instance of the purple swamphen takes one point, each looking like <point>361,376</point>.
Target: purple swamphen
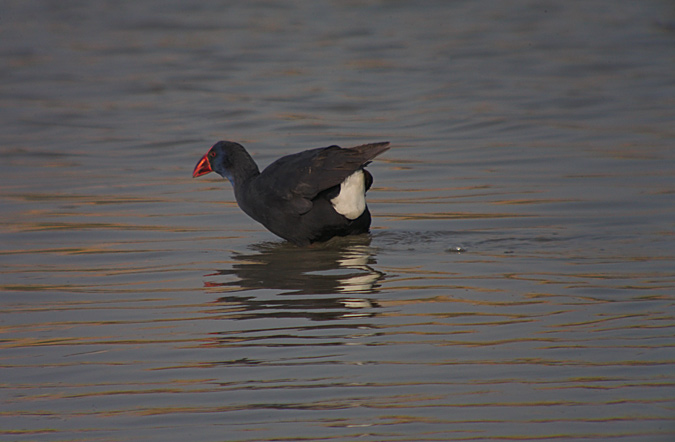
<point>305,197</point>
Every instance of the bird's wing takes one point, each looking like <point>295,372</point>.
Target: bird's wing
<point>300,177</point>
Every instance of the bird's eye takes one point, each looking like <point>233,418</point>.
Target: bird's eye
<point>212,154</point>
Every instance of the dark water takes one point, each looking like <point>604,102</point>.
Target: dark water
<point>518,283</point>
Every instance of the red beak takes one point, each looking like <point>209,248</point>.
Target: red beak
<point>203,167</point>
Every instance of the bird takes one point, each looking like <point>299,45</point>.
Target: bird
<point>304,198</point>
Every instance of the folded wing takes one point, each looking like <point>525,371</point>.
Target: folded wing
<point>299,178</point>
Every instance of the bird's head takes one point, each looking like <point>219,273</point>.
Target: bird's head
<point>228,159</point>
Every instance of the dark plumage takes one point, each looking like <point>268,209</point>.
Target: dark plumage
<point>305,197</point>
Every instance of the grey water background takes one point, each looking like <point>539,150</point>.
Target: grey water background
<point>518,283</point>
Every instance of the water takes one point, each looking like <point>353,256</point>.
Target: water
<point>518,282</point>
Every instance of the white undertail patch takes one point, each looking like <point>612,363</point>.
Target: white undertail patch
<point>351,201</point>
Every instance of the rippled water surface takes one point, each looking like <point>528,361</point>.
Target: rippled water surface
<point>518,282</point>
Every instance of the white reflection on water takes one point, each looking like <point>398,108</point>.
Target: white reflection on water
<point>341,265</point>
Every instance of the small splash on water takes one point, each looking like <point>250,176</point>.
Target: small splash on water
<point>456,249</point>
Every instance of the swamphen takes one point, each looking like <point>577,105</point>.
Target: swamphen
<point>304,198</point>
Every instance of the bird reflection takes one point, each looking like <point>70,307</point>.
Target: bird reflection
<point>295,276</point>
